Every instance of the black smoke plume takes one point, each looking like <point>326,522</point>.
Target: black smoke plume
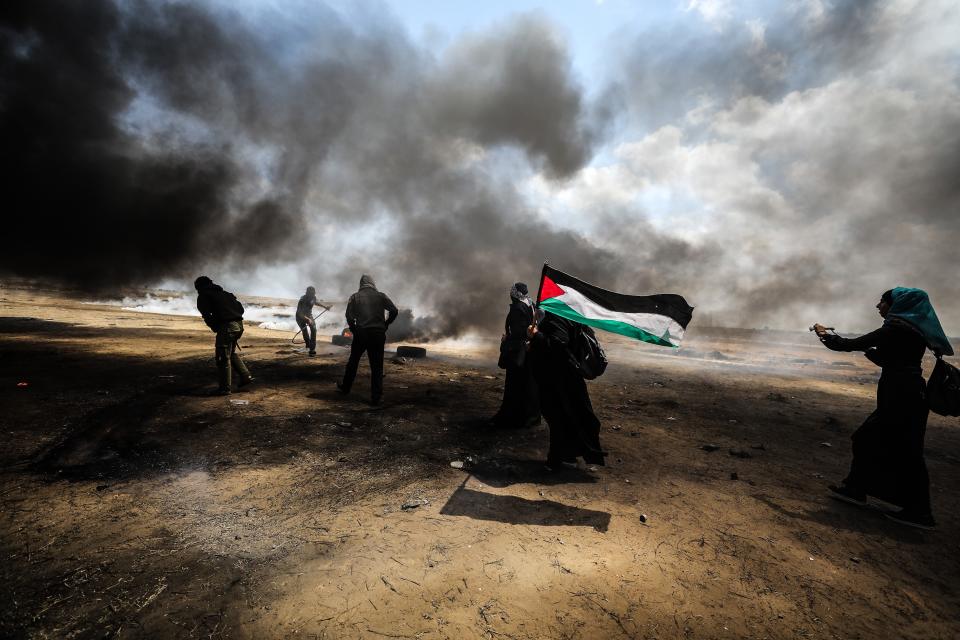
<point>153,139</point>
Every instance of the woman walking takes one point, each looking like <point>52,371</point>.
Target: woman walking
<point>888,458</point>
<point>564,401</point>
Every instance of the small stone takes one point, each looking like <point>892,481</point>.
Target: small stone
<point>825,444</point>
<point>740,453</point>
<point>457,464</point>
<point>709,448</point>
<point>734,476</point>
<point>854,559</point>
<point>643,517</point>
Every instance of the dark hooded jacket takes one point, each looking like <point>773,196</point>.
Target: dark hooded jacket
<point>366,307</point>
<point>217,306</point>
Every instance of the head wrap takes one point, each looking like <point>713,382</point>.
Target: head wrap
<point>912,307</point>
<point>202,282</point>
<point>519,293</point>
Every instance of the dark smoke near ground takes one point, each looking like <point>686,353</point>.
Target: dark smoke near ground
<point>154,139</point>
<point>149,141</point>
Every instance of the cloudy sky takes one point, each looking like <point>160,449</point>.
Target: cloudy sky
<point>777,163</point>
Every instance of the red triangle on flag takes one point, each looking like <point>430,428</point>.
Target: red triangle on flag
<point>549,289</point>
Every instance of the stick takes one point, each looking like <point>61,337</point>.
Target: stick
<point>325,309</point>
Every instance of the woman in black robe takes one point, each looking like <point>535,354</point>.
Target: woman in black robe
<point>521,403</point>
<point>888,458</point>
<point>564,401</point>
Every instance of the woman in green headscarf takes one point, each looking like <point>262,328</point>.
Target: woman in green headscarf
<point>888,448</point>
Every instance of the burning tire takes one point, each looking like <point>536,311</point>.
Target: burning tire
<point>411,352</point>
<point>344,339</point>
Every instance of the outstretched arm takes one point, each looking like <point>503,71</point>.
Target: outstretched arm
<point>873,339</point>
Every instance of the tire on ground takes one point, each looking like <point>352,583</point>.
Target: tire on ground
<point>411,352</point>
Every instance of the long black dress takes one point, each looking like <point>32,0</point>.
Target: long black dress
<point>564,401</point>
<point>888,447</point>
<point>521,401</point>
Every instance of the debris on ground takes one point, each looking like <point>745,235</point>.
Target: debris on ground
<point>643,517</point>
<point>414,503</point>
<point>734,476</point>
<point>239,402</point>
<point>825,444</point>
<point>740,453</point>
<point>457,464</point>
<point>709,448</point>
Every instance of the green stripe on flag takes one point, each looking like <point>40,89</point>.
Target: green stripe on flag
<point>556,307</point>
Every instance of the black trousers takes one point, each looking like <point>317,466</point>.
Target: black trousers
<point>308,330</point>
<point>370,341</point>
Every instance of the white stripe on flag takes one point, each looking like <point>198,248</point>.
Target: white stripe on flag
<point>652,323</point>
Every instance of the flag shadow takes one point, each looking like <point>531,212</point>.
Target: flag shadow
<point>515,510</point>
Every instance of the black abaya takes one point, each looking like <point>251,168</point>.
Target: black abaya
<point>521,400</point>
<point>888,447</point>
<point>564,400</point>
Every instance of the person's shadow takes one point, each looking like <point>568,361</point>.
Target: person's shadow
<point>515,510</point>
<point>837,515</point>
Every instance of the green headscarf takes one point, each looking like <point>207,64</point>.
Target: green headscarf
<point>912,306</point>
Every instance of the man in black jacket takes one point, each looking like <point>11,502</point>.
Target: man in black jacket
<point>365,311</point>
<point>223,313</point>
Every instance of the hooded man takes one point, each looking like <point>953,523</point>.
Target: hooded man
<point>305,321</point>
<point>365,317</point>
<point>223,313</point>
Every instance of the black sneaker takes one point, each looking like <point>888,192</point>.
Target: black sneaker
<point>849,495</point>
<point>220,392</point>
<point>912,519</point>
<point>243,383</point>
<point>341,389</point>
<point>313,353</point>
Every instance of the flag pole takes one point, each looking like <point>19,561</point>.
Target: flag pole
<point>543,272</point>
<point>536,304</point>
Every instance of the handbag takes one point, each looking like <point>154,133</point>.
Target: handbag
<point>513,353</point>
<point>943,389</point>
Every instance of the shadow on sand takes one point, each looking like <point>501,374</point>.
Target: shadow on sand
<point>515,510</point>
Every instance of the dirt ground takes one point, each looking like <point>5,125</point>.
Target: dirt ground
<point>134,506</point>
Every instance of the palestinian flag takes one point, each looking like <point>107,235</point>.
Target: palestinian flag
<point>658,319</point>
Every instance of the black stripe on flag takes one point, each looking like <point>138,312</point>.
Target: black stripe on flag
<point>666,304</point>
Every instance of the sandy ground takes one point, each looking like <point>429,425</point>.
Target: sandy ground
<point>134,506</point>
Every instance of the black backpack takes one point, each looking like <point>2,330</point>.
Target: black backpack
<point>943,389</point>
<point>588,355</point>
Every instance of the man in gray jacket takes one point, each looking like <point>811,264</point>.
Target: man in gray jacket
<point>365,317</point>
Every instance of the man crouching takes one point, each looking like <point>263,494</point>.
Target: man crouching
<point>223,313</point>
